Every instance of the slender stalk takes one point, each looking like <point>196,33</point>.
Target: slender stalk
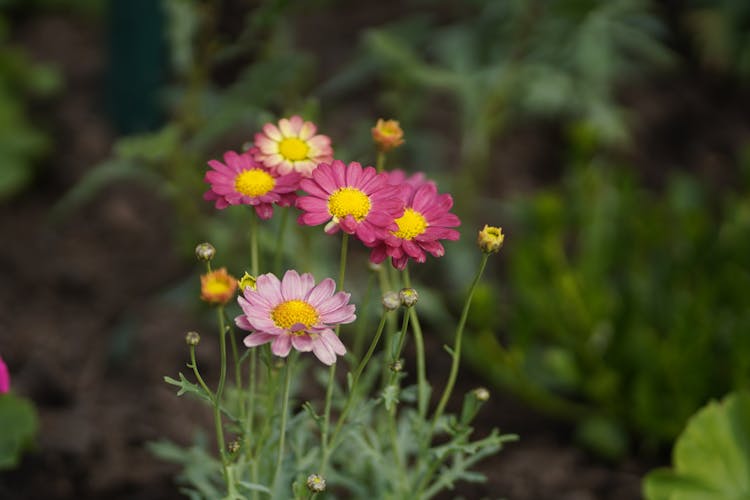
<point>254,244</point>
<point>380,161</point>
<point>457,346</point>
<point>220,392</point>
<point>250,413</point>
<point>353,389</point>
<point>359,335</point>
<point>280,240</point>
<point>422,388</point>
<point>332,370</point>
<point>284,412</point>
<point>402,339</point>
<point>194,365</point>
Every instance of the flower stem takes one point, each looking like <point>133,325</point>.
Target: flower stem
<point>457,346</point>
<point>280,241</point>
<point>422,387</point>
<point>194,365</point>
<point>353,389</point>
<point>332,370</point>
<point>284,412</point>
<point>254,244</point>
<point>380,162</point>
<point>220,391</point>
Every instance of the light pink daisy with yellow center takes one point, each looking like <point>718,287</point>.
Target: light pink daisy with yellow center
<point>292,146</point>
<point>294,312</point>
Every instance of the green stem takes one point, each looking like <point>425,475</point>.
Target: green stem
<point>457,347</point>
<point>220,391</point>
<point>332,370</point>
<point>280,240</point>
<point>402,338</point>
<point>422,387</point>
<point>254,244</point>
<point>359,335</point>
<point>194,366</point>
<point>353,389</point>
<point>284,411</point>
<point>380,161</point>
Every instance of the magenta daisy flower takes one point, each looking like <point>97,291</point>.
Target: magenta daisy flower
<point>4,377</point>
<point>359,201</point>
<point>426,219</point>
<point>294,312</point>
<point>292,146</point>
<point>240,180</point>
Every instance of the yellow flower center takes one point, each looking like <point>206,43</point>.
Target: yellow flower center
<point>214,287</point>
<point>410,225</point>
<point>349,201</point>
<point>293,149</point>
<point>291,312</point>
<point>254,182</point>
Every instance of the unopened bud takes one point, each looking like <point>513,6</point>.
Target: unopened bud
<point>205,252</point>
<point>247,281</point>
<point>391,301</point>
<point>408,296</point>
<point>397,365</point>
<point>192,338</point>
<point>490,239</point>
<point>233,446</point>
<point>482,394</point>
<point>316,483</point>
<point>387,135</point>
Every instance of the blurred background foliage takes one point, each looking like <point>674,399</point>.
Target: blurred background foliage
<point>622,305</point>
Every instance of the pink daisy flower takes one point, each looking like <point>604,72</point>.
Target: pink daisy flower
<point>359,201</point>
<point>4,377</point>
<point>292,146</point>
<point>240,180</point>
<point>426,219</point>
<point>294,312</point>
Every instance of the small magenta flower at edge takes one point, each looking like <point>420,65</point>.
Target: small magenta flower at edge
<point>294,312</point>
<point>4,377</point>
<point>359,201</point>
<point>292,146</point>
<point>243,181</point>
<point>218,287</point>
<point>426,219</point>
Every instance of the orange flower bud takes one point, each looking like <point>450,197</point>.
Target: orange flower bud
<point>218,287</point>
<point>387,135</point>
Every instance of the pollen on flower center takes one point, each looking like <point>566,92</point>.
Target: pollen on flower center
<point>291,312</point>
<point>216,287</point>
<point>410,225</point>
<point>293,149</point>
<point>254,182</point>
<point>349,201</point>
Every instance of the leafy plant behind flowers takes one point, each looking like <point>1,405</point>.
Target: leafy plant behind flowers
<point>627,310</point>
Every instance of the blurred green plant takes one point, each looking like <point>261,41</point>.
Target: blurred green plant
<point>19,423</point>
<point>504,61</point>
<point>711,459</point>
<point>22,143</point>
<point>628,308</point>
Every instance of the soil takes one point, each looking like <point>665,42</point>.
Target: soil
<point>88,333</point>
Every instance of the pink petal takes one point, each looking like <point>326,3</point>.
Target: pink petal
<point>333,342</point>
<point>307,130</point>
<point>323,291</point>
<point>258,338</point>
<point>271,131</point>
<point>281,345</point>
<point>323,351</point>
<point>302,343</point>
<point>291,286</point>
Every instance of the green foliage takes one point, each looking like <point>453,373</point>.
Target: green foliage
<point>19,423</point>
<point>628,308</point>
<point>22,144</point>
<point>711,459</point>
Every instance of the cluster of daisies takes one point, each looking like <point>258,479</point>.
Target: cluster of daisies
<point>393,214</point>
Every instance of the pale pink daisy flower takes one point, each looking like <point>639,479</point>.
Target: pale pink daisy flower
<point>356,200</point>
<point>240,180</point>
<point>292,146</point>
<point>426,219</point>
<point>294,312</point>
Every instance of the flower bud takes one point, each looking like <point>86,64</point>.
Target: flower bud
<point>192,338</point>
<point>205,252</point>
<point>408,296</point>
<point>387,135</point>
<point>233,446</point>
<point>391,301</point>
<point>397,366</point>
<point>374,267</point>
<point>218,287</point>
<point>4,377</point>
<point>247,281</point>
<point>490,239</point>
<point>316,483</point>
<point>482,394</point>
